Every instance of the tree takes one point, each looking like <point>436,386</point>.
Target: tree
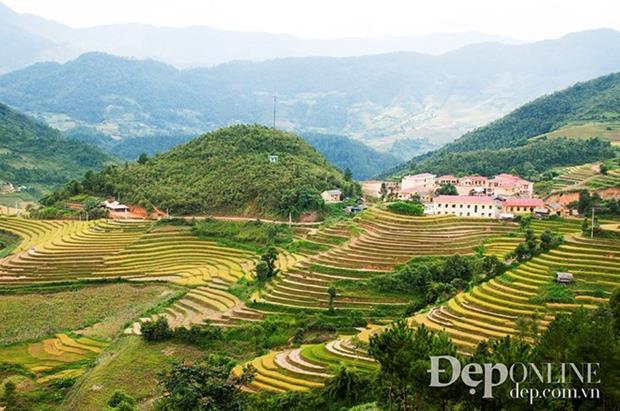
<point>404,357</point>
<point>347,386</point>
<point>604,168</point>
<point>122,402</point>
<point>550,240</point>
<point>207,386</point>
<point>348,175</point>
<point>262,271</point>
<point>157,330</point>
<point>143,159</point>
<point>447,189</point>
<point>331,292</point>
<point>9,398</point>
<point>383,191</point>
<point>270,257</point>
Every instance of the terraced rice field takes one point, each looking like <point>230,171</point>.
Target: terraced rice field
<point>61,356</point>
<point>502,245</point>
<point>491,310</point>
<point>585,176</point>
<point>306,367</point>
<point>573,176</point>
<point>384,240</point>
<point>603,181</point>
<point>65,250</point>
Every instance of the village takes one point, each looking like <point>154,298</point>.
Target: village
<point>503,196</point>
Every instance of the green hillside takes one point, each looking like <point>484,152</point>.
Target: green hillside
<point>532,138</point>
<point>227,171</point>
<point>39,157</point>
<point>363,161</point>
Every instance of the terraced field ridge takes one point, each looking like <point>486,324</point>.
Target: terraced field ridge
<point>61,356</point>
<point>492,309</point>
<point>377,242</point>
<point>69,250</point>
<point>585,176</point>
<point>306,367</point>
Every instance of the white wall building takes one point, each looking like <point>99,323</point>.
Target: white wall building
<point>465,206</point>
<point>424,180</point>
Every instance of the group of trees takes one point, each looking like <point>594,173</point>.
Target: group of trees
<point>266,267</point>
<point>531,246</point>
<point>529,160</point>
<point>407,208</point>
<point>433,279</point>
<point>580,337</point>
<point>588,201</point>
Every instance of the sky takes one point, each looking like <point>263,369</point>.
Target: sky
<point>526,20</point>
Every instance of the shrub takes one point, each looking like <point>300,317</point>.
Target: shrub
<point>407,208</point>
<point>157,330</point>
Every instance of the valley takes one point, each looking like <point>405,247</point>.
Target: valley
<point>196,218</point>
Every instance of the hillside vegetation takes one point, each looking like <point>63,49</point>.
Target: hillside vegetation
<point>519,140</point>
<point>363,161</point>
<point>35,155</point>
<point>374,98</point>
<point>227,171</point>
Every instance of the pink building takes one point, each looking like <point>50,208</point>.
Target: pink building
<point>509,185</point>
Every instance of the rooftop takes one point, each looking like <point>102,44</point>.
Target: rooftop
<point>464,200</point>
<point>422,175</point>
<point>524,202</point>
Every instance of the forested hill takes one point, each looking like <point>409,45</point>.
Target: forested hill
<point>519,141</point>
<point>363,161</point>
<point>597,100</point>
<point>39,157</point>
<point>227,171</point>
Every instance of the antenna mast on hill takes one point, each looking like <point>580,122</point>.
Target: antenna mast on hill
<point>275,99</point>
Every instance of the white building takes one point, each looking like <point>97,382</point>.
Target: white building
<point>465,206</point>
<point>331,196</point>
<point>424,180</point>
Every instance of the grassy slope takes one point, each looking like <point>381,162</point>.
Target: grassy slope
<point>31,316</point>
<point>130,365</point>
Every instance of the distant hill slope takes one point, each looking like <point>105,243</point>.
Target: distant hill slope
<point>363,161</point>
<point>227,171</point>
<point>533,138</point>
<point>35,155</point>
<point>377,99</point>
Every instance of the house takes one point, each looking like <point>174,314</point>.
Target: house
<point>425,193</point>
<point>372,188</point>
<point>331,196</point>
<point>273,158</point>
<point>447,179</point>
<point>564,278</point>
<point>465,206</point>
<point>115,206</point>
<point>519,206</point>
<point>558,209</point>
<point>512,186</point>
<point>425,180</point>
<point>466,184</point>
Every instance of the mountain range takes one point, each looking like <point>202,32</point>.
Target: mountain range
<point>572,126</point>
<point>377,99</point>
<point>26,39</point>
